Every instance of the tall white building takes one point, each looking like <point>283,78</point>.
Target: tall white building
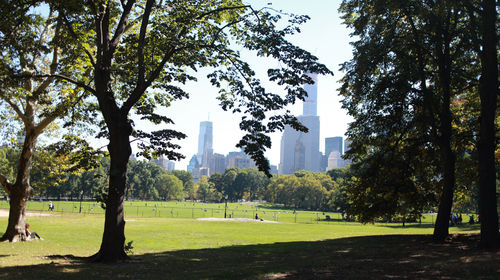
<point>300,150</point>
<point>205,141</point>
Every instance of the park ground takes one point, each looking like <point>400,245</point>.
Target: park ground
<point>171,248</point>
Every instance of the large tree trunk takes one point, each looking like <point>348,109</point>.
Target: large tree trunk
<point>488,91</point>
<point>441,228</point>
<point>113,240</point>
<point>20,191</point>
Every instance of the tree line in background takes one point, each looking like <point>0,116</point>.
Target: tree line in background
<point>334,190</point>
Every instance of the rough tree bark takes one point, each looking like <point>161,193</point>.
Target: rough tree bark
<point>488,91</point>
<point>113,240</point>
<point>19,192</point>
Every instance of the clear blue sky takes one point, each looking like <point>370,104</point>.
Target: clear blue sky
<point>323,35</point>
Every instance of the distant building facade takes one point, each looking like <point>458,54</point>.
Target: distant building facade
<point>193,163</point>
<point>218,163</point>
<point>335,160</point>
<point>164,163</point>
<point>333,144</point>
<point>205,143</point>
<point>206,162</point>
<point>300,150</point>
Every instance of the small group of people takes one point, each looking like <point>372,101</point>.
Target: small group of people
<point>455,219</point>
<point>31,235</point>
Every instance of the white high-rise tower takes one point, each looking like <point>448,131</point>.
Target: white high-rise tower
<point>205,140</point>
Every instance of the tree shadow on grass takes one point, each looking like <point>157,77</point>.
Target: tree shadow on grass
<point>369,257</point>
<point>462,227</point>
<point>412,225</point>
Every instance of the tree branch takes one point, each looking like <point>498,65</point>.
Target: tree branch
<point>142,39</point>
<point>56,112</point>
<point>7,186</point>
<point>16,108</point>
<point>122,25</point>
<point>222,9</point>
<point>62,77</point>
<point>42,35</point>
<point>142,85</point>
<point>53,68</point>
<point>139,91</point>
<point>73,34</point>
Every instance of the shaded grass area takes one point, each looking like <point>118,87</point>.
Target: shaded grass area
<point>81,235</point>
<point>367,257</point>
<point>191,249</point>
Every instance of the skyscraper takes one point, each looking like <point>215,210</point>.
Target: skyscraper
<point>333,144</point>
<point>300,150</point>
<point>193,164</point>
<point>310,106</point>
<point>218,163</point>
<point>205,140</point>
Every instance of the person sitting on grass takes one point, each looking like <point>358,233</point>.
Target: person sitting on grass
<point>31,235</point>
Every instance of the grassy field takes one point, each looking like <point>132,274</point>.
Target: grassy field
<point>191,249</point>
<point>193,210</point>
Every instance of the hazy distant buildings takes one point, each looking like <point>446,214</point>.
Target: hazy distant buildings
<point>206,162</point>
<point>273,169</point>
<point>240,160</point>
<point>335,160</point>
<point>333,144</point>
<point>193,164</point>
<point>164,163</point>
<point>300,150</point>
<point>218,163</point>
<point>334,151</point>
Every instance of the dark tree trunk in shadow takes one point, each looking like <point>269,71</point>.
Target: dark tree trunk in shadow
<point>113,240</point>
<point>488,91</point>
<point>441,228</point>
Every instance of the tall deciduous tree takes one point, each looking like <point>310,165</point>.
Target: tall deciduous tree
<point>140,53</point>
<point>484,26</point>
<point>410,63</point>
<point>33,49</point>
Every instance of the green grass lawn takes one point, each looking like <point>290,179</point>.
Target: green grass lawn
<point>193,210</point>
<point>191,249</point>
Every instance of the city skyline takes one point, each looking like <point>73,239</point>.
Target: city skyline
<point>299,150</point>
